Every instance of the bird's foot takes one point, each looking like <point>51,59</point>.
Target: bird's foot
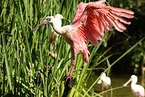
<point>69,80</point>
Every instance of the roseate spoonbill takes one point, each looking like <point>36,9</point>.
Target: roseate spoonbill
<point>90,22</point>
<point>104,81</point>
<point>137,90</point>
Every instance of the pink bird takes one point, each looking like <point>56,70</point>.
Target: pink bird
<point>90,22</point>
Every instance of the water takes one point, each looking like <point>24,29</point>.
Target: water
<point>117,80</point>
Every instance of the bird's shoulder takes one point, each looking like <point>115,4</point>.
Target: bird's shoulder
<point>68,29</point>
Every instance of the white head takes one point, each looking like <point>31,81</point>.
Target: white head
<point>45,21</point>
<point>133,79</point>
<point>103,75</point>
<point>59,16</point>
<point>49,20</point>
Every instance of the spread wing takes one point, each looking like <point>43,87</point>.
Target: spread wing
<point>95,18</point>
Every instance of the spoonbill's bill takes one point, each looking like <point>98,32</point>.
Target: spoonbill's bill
<point>90,22</point>
<point>104,81</point>
<point>137,90</point>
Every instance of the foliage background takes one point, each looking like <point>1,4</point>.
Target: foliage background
<point>28,66</point>
<point>133,62</point>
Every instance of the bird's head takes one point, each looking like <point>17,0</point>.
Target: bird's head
<point>103,75</point>
<point>133,79</point>
<point>59,16</point>
<point>47,20</point>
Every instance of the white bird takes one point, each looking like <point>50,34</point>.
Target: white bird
<point>104,81</point>
<point>137,90</point>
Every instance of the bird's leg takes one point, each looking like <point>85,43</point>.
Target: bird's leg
<point>69,81</point>
<point>102,89</point>
<point>69,74</point>
<point>72,68</point>
<point>68,78</point>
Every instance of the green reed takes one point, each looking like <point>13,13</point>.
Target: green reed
<point>26,66</point>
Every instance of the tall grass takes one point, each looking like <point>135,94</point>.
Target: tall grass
<point>27,64</point>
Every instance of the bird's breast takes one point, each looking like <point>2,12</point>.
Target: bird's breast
<point>67,34</point>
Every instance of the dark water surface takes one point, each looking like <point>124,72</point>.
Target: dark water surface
<point>117,80</point>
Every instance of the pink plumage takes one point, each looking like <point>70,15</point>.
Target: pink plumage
<point>97,18</point>
<point>90,22</point>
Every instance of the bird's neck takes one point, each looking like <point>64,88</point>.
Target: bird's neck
<point>133,83</point>
<point>56,24</point>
